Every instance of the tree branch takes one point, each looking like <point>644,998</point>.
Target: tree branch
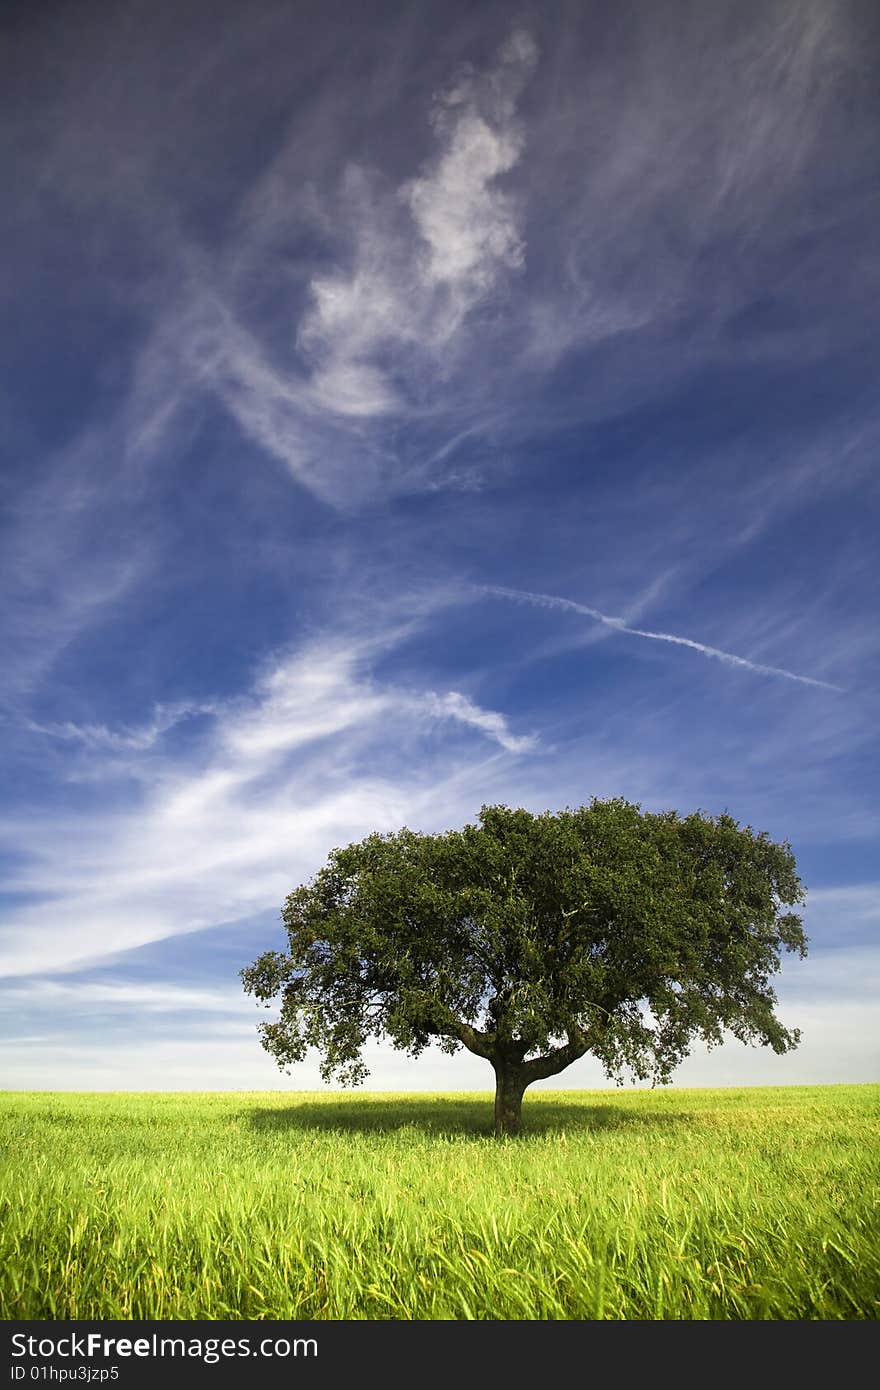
<point>473,1039</point>
<point>560,1058</point>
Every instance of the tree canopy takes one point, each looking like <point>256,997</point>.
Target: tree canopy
<point>532,940</point>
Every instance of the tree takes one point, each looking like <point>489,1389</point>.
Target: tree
<point>534,939</point>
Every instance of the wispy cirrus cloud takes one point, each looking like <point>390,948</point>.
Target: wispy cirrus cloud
<point>319,752</point>
<point>853,906</point>
<point>437,297</point>
<point>454,705</point>
<point>414,279</point>
<point>376,336</point>
<point>59,576</point>
<point>92,998</point>
<point>469,225</point>
<point>101,738</point>
<point>439,288</point>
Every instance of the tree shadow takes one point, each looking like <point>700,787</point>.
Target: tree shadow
<point>444,1116</point>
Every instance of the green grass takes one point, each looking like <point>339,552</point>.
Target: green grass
<point>757,1203</point>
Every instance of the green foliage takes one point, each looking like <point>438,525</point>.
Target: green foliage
<point>674,1204</point>
<point>532,939</point>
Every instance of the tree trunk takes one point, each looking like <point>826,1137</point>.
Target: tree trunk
<point>510,1083</point>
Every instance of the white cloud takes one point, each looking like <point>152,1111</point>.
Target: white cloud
<point>674,139</point>
<point>99,737</point>
<point>91,998</point>
<point>318,754</point>
<point>456,706</point>
<point>855,904</point>
<point>416,292</point>
<point>63,561</point>
<point>380,331</point>
<point>468,224</point>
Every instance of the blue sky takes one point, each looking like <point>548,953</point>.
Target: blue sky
<point>409,407</point>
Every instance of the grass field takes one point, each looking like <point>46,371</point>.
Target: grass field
<point>757,1203</point>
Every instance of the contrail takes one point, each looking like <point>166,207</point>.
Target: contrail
<point>620,625</point>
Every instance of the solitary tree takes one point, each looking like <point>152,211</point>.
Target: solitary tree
<point>534,939</point>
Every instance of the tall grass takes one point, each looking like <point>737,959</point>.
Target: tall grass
<point>758,1203</point>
